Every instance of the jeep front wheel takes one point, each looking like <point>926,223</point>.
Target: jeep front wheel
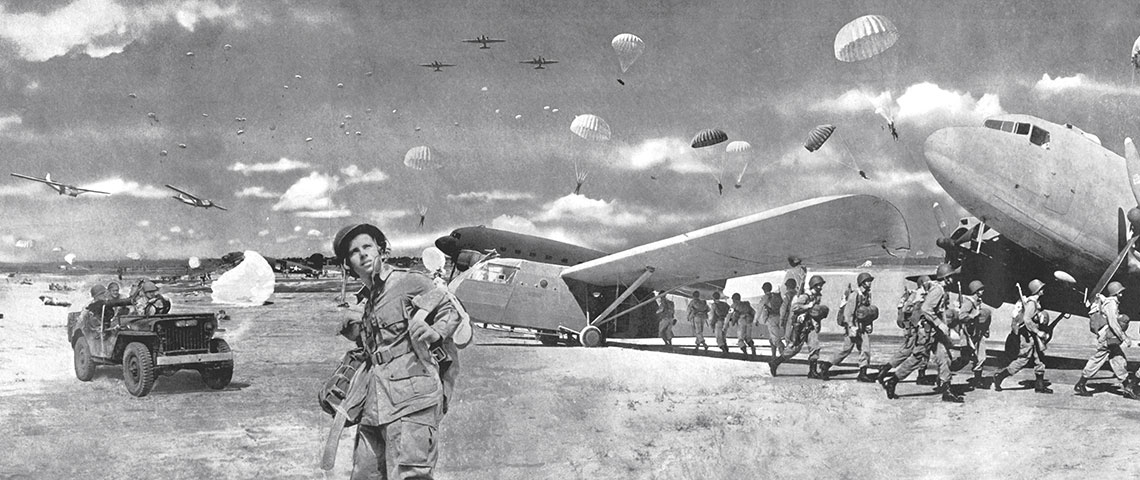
<point>138,369</point>
<point>84,365</point>
<point>219,376</point>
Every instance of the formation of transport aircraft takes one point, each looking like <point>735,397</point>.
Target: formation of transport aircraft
<point>61,188</point>
<point>189,199</point>
<point>564,292</point>
<point>437,66</point>
<point>540,61</point>
<point>1065,207</point>
<point>482,39</point>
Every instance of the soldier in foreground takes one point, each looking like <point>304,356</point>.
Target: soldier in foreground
<point>1029,325</point>
<point>909,321</point>
<point>932,339</point>
<point>698,316</point>
<point>856,318</point>
<point>665,320</point>
<point>770,305</point>
<point>974,326</point>
<point>411,370</point>
<point>719,321</point>
<point>808,312</point>
<point>1110,328</point>
<point>744,316</point>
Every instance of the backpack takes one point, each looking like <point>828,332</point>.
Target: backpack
<point>841,318</point>
<point>773,303</point>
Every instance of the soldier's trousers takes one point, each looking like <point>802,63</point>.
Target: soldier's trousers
<point>812,342</point>
<point>775,335</point>
<point>904,350</point>
<point>862,342</point>
<point>922,354</point>
<point>744,333</point>
<point>404,449</point>
<point>1027,353</point>
<point>665,330</point>
<point>699,329</point>
<point>720,328</point>
<point>1113,354</point>
<point>977,347</point>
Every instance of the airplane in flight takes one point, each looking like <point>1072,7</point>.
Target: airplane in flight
<point>61,188</point>
<point>1055,200</point>
<point>437,66</point>
<point>483,40</point>
<point>540,61</point>
<point>564,292</point>
<point>189,199</point>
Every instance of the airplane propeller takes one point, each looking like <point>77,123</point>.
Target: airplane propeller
<point>1132,162</point>
<point>966,233</point>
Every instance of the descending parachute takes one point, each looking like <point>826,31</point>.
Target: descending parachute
<point>628,47</point>
<point>134,256</point>
<point>194,262</point>
<point>864,38</point>
<point>69,258</point>
<point>421,158</point>
<point>250,283</point>
<point>739,152</point>
<point>708,138</point>
<point>1135,58</point>
<point>819,135</point>
<point>590,127</point>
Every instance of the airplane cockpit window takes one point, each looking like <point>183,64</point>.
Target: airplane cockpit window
<point>1023,128</point>
<point>456,235</point>
<point>1039,137</point>
<point>994,124</point>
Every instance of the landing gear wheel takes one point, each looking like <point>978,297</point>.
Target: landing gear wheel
<point>590,336</point>
<point>138,369</point>
<point>84,365</point>
<point>218,377</point>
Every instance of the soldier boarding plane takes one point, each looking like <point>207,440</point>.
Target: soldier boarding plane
<point>540,62</point>
<point>62,189</point>
<point>192,200</point>
<point>1056,197</point>
<point>566,292</point>
<point>483,40</point>
<point>437,66</point>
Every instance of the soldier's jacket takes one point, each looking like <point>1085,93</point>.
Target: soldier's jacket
<point>698,310</point>
<point>908,308</point>
<point>853,301</point>
<point>1030,322</point>
<point>405,381</point>
<point>801,304</point>
<point>665,309</point>
<point>719,311</point>
<point>742,311</point>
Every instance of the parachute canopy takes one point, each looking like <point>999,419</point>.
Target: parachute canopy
<point>628,47</point>
<point>1136,53</point>
<point>590,127</point>
<point>712,136</point>
<point>69,258</point>
<point>194,262</point>
<point>817,136</point>
<point>739,146</point>
<point>864,38</point>
<point>434,259</point>
<point>134,256</point>
<point>421,158</point>
<point>250,283</point>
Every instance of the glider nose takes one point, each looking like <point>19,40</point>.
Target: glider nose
<point>448,245</point>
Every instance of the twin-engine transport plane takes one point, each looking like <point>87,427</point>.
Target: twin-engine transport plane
<point>189,199</point>
<point>564,291</point>
<point>1058,199</point>
<point>540,62</point>
<point>437,66</point>
<point>483,40</point>
<point>61,188</point>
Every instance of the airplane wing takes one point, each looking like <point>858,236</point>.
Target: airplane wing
<point>184,192</point>
<point>532,62</point>
<point>846,229</point>
<point>548,62</point>
<point>87,190</point>
<point>219,207</point>
<point>34,179</point>
<point>422,65</point>
<point>493,40</point>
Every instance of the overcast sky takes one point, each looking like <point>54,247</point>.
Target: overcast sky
<point>297,115</point>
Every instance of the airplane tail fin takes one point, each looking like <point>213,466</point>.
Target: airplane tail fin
<point>47,177</point>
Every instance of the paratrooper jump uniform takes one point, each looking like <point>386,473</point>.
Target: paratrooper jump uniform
<point>719,323</point>
<point>698,317</point>
<point>932,341</point>
<point>855,318</point>
<point>1031,326</point>
<point>1110,337</point>
<point>807,314</point>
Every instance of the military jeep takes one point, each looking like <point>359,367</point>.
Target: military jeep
<point>148,346</point>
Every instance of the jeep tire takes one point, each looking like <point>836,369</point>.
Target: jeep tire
<point>84,365</point>
<point>138,369</point>
<point>218,376</point>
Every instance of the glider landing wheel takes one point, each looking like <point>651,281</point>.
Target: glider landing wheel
<point>590,336</point>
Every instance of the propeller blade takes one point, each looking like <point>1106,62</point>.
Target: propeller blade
<point>940,219</point>
<point>1108,274</point>
<point>1132,162</point>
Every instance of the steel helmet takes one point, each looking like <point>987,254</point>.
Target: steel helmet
<point>793,260</point>
<point>1035,286</point>
<point>944,271</point>
<point>97,290</point>
<point>1113,288</point>
<point>346,234</point>
<point>148,286</point>
<point>922,280</point>
<point>815,281</point>
<point>976,286</point>
<point>819,312</point>
<point>863,277</point>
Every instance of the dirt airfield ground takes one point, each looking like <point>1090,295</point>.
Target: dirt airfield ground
<point>529,412</point>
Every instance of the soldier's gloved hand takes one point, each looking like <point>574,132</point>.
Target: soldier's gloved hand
<point>423,332</point>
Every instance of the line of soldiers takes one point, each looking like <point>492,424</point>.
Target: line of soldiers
<point>929,316</point>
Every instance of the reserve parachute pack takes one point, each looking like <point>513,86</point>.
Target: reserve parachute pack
<point>841,318</point>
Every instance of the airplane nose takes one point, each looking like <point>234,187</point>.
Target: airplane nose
<point>940,149</point>
<point>448,245</point>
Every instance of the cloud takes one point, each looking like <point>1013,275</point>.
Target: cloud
<point>928,104</point>
<point>9,121</point>
<point>281,165</point>
<point>263,233</point>
<point>143,223</point>
<point>517,224</point>
<point>1079,83</point>
<point>333,213</point>
<point>574,207</point>
<point>851,101</point>
<point>118,186</point>
<point>314,232</point>
<point>23,189</point>
<point>413,243</point>
<point>672,153</point>
<point>256,192</point>
<point>488,197</point>
<point>355,175</point>
<point>309,193</point>
<point>176,229</point>
<point>100,27</point>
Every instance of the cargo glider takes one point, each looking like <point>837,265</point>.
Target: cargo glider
<point>192,200</point>
<point>61,188</point>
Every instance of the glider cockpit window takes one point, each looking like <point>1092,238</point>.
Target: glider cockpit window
<point>1039,137</point>
<point>493,273</point>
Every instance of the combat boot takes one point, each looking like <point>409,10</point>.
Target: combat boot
<point>923,379</point>
<point>949,396</point>
<point>772,366</point>
<point>977,381</point>
<point>889,383</point>
<point>1041,388</point>
<point>753,348</point>
<point>824,367</point>
<point>812,373</point>
<point>883,372</point>
<point>1128,388</point>
<point>863,377</point>
<point>998,378</point>
<point>1084,392</point>
<point>744,350</point>
<point>723,350</point>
